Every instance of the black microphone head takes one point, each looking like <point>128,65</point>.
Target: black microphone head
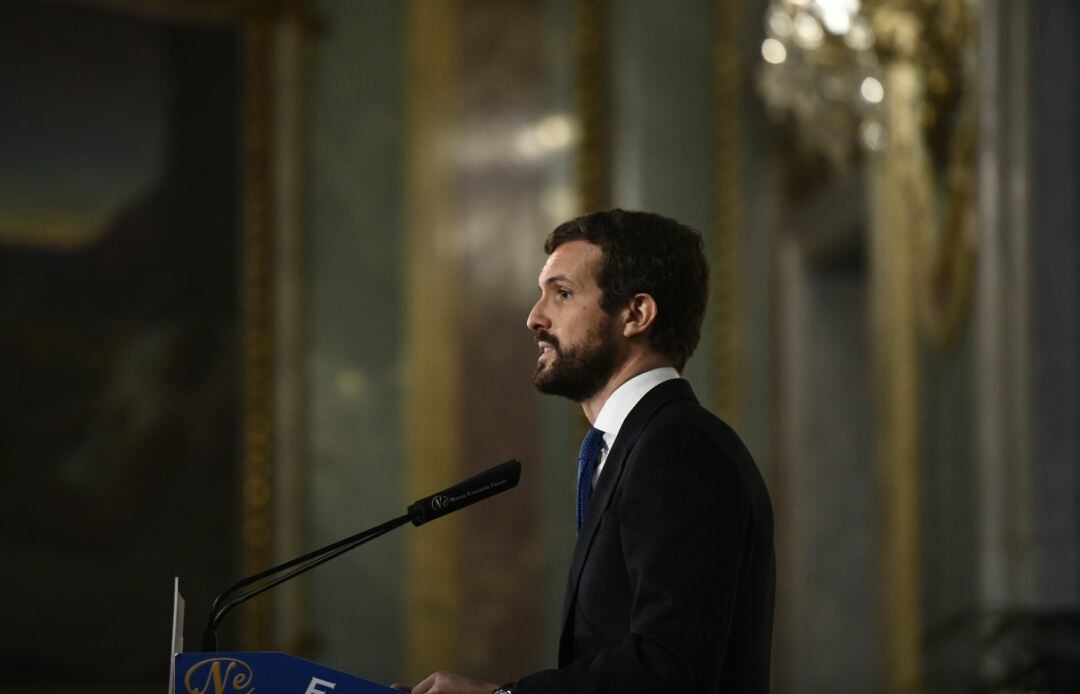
<point>488,483</point>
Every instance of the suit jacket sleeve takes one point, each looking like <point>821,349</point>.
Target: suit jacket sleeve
<point>682,516</point>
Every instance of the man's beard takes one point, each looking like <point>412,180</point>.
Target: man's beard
<point>578,372</point>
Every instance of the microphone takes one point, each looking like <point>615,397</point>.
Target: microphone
<point>488,483</point>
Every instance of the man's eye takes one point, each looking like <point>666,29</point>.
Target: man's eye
<point>565,293</point>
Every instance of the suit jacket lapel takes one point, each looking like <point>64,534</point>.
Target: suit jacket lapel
<point>675,389</point>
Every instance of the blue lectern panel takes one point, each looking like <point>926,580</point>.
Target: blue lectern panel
<point>263,673</point>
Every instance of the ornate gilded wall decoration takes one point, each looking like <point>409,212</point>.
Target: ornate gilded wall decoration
<point>890,79</point>
<point>887,86</point>
<point>728,216</point>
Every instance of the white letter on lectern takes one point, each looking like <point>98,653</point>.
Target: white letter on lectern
<point>313,688</point>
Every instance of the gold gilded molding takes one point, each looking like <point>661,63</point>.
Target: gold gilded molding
<point>264,26</point>
<point>922,268</point>
<point>291,605</point>
<point>948,285</point>
<point>432,390</point>
<point>257,311</point>
<point>267,29</point>
<point>931,119</point>
<point>591,102</point>
<point>894,304</point>
<point>728,214</point>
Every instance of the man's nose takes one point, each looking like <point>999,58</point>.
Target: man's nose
<point>536,319</point>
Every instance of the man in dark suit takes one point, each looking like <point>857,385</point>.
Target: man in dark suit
<point>672,580</point>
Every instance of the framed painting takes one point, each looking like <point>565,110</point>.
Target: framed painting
<point>136,301</point>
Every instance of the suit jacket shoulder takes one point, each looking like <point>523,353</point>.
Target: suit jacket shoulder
<point>671,582</point>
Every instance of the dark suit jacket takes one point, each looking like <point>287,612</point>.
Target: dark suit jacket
<point>673,577</point>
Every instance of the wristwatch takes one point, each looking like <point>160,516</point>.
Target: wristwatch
<point>507,688</point>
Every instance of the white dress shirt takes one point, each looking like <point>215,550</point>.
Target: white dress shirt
<point>625,398</point>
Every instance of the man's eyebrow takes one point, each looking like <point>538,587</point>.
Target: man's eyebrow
<point>559,278</point>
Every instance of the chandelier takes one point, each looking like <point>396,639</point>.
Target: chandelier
<point>825,65</point>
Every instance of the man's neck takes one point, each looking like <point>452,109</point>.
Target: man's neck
<point>634,366</point>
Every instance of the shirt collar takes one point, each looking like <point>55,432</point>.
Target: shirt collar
<point>618,405</point>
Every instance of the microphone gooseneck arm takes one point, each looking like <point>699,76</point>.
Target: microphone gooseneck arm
<point>488,483</point>
<point>266,573</point>
<point>306,563</point>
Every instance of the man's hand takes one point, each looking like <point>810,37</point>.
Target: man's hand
<point>447,683</point>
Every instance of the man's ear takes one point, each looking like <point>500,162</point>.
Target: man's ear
<point>639,315</point>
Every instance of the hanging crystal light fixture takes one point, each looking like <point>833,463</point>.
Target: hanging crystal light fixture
<point>824,67</point>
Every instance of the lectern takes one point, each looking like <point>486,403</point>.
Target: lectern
<point>210,672</point>
<point>264,673</point>
<point>251,673</point>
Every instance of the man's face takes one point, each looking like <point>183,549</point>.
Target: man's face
<point>578,341</point>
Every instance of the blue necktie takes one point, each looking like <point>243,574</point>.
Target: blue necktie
<point>586,468</point>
